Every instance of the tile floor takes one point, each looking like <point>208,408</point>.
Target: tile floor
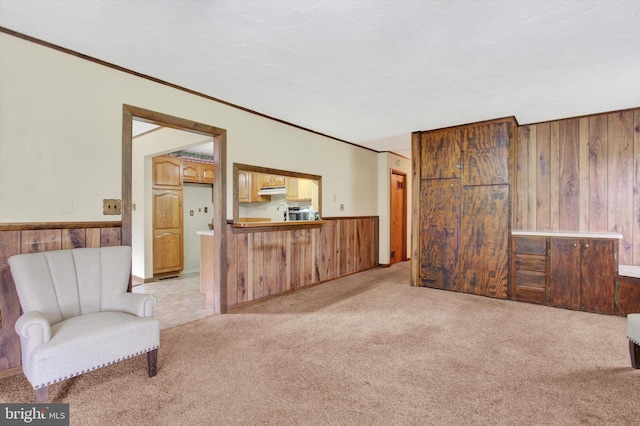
<point>178,299</point>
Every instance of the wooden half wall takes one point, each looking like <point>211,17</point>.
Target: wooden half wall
<point>34,237</point>
<point>582,174</point>
<point>266,263</point>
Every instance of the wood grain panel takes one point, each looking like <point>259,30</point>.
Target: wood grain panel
<point>74,238</point>
<point>523,167</point>
<point>109,237</point>
<point>583,168</point>
<point>93,237</point>
<point>569,189</point>
<point>541,164</point>
<point>232,270</point>
<point>256,264</point>
<point>621,181</point>
<point>242,267</point>
<point>598,173</point>
<point>9,304</point>
<point>554,176</point>
<point>41,240</point>
<point>271,263</point>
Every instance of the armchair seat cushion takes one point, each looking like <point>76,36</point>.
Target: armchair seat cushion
<point>87,342</point>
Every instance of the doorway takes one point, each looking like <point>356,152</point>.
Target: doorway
<point>218,284</point>
<point>398,217</point>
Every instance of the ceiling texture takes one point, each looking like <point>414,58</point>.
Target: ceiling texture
<point>366,72</point>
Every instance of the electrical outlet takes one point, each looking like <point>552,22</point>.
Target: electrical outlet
<point>110,206</point>
<point>341,207</point>
<point>190,212</point>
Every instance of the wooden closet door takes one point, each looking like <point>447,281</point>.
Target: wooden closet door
<point>485,240</point>
<point>440,154</point>
<point>439,233</point>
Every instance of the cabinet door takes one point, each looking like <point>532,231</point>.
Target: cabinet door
<point>563,282</point>
<point>486,154</point>
<point>167,172</point>
<point>598,270</point>
<point>484,242</point>
<point>439,233</point>
<point>190,171</point>
<point>206,173</point>
<point>167,231</point>
<point>440,154</point>
<point>244,187</point>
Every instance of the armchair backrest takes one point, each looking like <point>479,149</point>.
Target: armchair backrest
<point>66,283</point>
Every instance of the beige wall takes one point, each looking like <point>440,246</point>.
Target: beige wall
<point>61,133</point>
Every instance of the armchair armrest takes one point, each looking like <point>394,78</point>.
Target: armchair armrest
<point>137,304</point>
<point>33,328</point>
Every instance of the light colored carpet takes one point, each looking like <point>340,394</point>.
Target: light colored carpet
<point>364,350</point>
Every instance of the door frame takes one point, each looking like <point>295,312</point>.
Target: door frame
<point>219,188</point>
<point>403,256</point>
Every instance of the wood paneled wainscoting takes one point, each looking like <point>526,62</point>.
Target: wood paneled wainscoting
<point>263,263</point>
<point>19,238</point>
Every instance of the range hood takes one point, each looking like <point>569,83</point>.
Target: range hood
<point>273,190</point>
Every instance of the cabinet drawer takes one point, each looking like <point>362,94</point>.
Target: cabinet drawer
<point>530,262</point>
<point>530,279</point>
<point>531,245</point>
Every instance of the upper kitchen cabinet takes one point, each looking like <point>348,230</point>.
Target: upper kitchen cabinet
<point>249,187</point>
<point>197,172</point>
<point>167,172</point>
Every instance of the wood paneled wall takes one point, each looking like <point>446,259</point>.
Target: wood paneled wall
<point>30,238</point>
<point>582,174</point>
<point>262,264</point>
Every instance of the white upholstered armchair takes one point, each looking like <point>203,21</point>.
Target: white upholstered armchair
<point>77,314</point>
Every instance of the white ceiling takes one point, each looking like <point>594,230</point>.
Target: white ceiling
<point>368,72</point>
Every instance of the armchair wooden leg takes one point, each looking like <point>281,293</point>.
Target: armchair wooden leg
<point>152,362</point>
<point>42,395</point>
<point>634,351</point>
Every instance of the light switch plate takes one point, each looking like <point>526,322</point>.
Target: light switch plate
<point>110,206</point>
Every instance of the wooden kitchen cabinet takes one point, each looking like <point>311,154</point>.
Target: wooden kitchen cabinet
<point>167,172</point>
<point>196,172</point>
<point>270,180</point>
<point>249,185</point>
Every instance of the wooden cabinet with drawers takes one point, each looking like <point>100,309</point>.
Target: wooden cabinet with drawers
<point>569,272</point>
